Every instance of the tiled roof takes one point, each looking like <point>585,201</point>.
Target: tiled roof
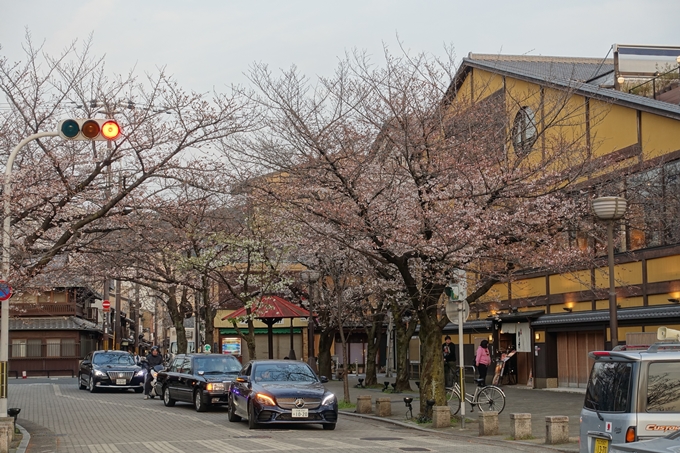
<point>587,76</point>
<point>52,323</point>
<point>632,314</point>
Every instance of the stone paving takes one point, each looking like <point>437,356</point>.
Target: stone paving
<point>61,418</point>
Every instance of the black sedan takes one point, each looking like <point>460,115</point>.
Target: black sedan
<point>110,369</point>
<point>281,391</point>
<point>200,379</point>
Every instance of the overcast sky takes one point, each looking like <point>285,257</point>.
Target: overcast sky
<point>210,43</point>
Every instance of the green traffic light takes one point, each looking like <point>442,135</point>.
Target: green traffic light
<point>70,128</point>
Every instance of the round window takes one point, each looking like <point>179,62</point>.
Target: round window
<point>524,132</point>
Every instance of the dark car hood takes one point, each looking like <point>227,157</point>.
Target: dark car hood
<point>117,367</point>
<point>292,389</point>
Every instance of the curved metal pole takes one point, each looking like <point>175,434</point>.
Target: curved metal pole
<point>4,311</point>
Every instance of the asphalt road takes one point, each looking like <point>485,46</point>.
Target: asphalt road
<point>61,418</point>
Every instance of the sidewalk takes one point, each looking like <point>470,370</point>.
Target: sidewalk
<point>519,399</point>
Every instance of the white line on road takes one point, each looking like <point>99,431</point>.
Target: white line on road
<point>221,446</point>
<point>162,446</point>
<point>104,448</point>
<point>274,445</point>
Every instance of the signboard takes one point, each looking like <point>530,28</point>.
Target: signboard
<point>231,346</point>
<point>523,337</point>
<point>452,310</point>
<point>5,290</point>
<point>106,305</point>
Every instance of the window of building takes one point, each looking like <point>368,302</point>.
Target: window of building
<point>524,132</point>
<point>34,347</point>
<point>68,347</point>
<point>53,347</point>
<point>18,348</point>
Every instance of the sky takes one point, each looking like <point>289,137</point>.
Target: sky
<point>210,44</point>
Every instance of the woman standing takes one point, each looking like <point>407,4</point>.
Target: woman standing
<point>483,359</point>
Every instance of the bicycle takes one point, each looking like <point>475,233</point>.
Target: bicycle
<point>486,398</point>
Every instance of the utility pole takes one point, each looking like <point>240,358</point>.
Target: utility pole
<point>135,317</point>
<point>119,328</point>
<point>107,284</point>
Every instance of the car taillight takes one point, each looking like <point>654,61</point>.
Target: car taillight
<point>630,434</point>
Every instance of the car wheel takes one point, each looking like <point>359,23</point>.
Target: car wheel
<point>231,411</point>
<point>90,385</point>
<point>81,386</point>
<point>252,422</point>
<point>199,404</point>
<point>329,426</point>
<point>169,402</point>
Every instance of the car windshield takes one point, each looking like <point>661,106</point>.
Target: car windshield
<point>289,372</point>
<point>113,359</point>
<point>215,364</point>
<point>609,387</point>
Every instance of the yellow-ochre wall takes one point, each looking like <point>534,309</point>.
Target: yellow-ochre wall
<point>624,274</point>
<point>486,83</point>
<point>612,127</point>
<point>531,287</point>
<point>569,283</point>
<point>663,269</point>
<point>659,135</point>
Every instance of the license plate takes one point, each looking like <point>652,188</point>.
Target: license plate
<point>601,446</point>
<point>300,413</point>
<point>120,382</point>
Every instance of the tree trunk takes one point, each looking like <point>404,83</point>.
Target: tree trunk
<point>374,337</point>
<point>177,318</point>
<point>209,317</point>
<point>432,365</point>
<point>325,343</point>
<point>404,332</point>
<point>345,361</point>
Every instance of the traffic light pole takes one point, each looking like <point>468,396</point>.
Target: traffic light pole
<point>6,235</point>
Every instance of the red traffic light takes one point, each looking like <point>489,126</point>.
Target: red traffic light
<point>89,129</point>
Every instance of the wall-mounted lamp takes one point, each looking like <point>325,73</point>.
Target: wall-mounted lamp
<point>568,309</point>
<point>514,309</point>
<point>537,336</point>
<point>490,337</point>
<point>674,301</point>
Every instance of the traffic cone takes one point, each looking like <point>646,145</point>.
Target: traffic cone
<point>23,375</point>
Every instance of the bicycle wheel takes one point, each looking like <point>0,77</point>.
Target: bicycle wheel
<point>491,398</point>
<point>453,400</point>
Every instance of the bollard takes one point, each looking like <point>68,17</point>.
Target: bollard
<point>441,417</point>
<point>364,404</point>
<point>520,426</point>
<point>556,429</point>
<point>488,423</point>
<point>383,407</point>
<point>23,375</point>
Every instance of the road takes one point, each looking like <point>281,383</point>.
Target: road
<point>62,418</point>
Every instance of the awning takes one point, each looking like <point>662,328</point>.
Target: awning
<point>469,326</point>
<point>262,331</point>
<point>53,323</point>
<point>662,313</point>
<point>271,307</point>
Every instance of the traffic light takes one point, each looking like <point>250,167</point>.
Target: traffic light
<point>89,129</point>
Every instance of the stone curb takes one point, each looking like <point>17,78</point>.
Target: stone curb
<point>480,439</point>
<point>23,445</point>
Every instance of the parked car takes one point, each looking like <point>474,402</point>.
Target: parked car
<point>281,391</point>
<point>632,395</point>
<point>667,444</point>
<point>200,379</point>
<point>110,369</point>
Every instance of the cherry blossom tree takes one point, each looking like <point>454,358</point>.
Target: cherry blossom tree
<point>386,160</point>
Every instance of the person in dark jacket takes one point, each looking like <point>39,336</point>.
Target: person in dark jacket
<point>152,359</point>
<point>449,353</point>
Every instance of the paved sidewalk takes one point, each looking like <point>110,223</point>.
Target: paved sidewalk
<point>519,399</point>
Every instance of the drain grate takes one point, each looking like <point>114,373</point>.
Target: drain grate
<point>381,438</point>
<point>414,449</point>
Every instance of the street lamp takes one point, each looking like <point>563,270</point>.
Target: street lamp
<point>611,209</point>
<point>310,277</point>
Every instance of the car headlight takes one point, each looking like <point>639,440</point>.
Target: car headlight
<point>215,387</point>
<point>265,399</point>
<point>99,373</point>
<point>140,373</point>
<point>328,399</point>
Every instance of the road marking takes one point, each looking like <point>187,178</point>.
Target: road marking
<point>274,445</point>
<point>161,446</point>
<point>221,446</point>
<point>104,448</point>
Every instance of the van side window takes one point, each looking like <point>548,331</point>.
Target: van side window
<point>663,387</point>
<point>609,387</point>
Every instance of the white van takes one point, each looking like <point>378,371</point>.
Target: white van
<point>632,395</point>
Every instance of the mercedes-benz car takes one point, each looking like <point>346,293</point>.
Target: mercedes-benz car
<point>200,379</point>
<point>110,369</point>
<point>281,391</point>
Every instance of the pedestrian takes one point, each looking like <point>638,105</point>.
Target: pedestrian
<point>483,359</point>
<point>154,358</point>
<point>449,353</point>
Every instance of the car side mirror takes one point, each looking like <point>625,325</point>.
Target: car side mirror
<point>85,362</point>
<point>201,372</point>
<point>243,379</point>
<point>323,379</point>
